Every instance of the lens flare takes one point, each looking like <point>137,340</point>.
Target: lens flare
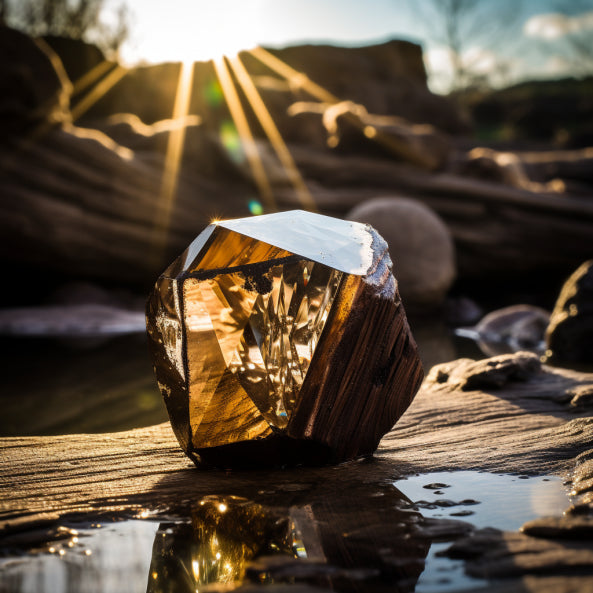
<point>230,139</point>
<point>255,207</point>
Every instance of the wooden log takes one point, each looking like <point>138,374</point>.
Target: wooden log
<point>498,229</point>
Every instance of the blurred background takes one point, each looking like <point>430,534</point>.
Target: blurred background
<point>461,129</point>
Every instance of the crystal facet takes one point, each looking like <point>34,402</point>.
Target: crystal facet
<point>236,326</point>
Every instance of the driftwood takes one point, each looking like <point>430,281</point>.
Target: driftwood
<point>74,193</point>
<point>497,228</point>
<point>505,414</point>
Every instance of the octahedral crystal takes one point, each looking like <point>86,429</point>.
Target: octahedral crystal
<point>281,339</point>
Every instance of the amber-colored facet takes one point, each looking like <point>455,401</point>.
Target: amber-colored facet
<point>235,322</point>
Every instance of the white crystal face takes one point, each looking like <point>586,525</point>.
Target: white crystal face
<point>339,244</point>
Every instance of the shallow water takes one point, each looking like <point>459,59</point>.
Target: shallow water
<point>485,500</point>
<point>61,387</point>
<point>365,540</point>
<point>52,387</point>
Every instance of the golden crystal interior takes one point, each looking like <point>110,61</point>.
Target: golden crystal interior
<point>251,335</point>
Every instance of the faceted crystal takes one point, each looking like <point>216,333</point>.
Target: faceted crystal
<point>235,322</point>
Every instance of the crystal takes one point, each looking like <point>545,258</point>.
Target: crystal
<point>281,338</point>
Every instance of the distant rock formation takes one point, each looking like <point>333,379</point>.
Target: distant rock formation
<point>82,203</point>
<point>388,79</point>
<point>34,88</point>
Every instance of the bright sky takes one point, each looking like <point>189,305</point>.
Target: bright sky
<point>198,30</point>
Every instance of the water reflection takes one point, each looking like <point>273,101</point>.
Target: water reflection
<point>49,387</point>
<point>345,528</point>
<point>338,542</point>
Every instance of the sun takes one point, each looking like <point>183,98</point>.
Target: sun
<point>192,30</point>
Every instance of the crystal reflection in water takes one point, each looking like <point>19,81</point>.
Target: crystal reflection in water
<point>336,543</point>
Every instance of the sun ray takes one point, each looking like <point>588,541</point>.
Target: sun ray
<point>245,134</point>
<point>272,132</point>
<point>174,153</point>
<point>90,77</point>
<point>299,80</point>
<point>295,77</point>
<point>98,91</point>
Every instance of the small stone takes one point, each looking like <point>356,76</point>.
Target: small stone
<point>464,513</point>
<point>442,529</point>
<point>435,486</point>
<point>280,339</point>
<point>565,527</point>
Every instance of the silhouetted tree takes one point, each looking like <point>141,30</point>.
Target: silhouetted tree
<point>460,25</point>
<point>76,19</point>
<point>578,44</point>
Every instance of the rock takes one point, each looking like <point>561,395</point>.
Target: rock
<point>462,311</point>
<point>582,397</point>
<point>420,246</point>
<point>493,554</point>
<point>566,527</point>
<point>569,336</point>
<point>388,79</point>
<point>77,56</point>
<point>442,530</point>
<point>490,373</point>
<point>35,88</point>
<point>510,329</point>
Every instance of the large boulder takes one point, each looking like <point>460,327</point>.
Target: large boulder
<point>420,246</point>
<point>569,336</point>
<point>78,57</point>
<point>34,88</point>
<point>388,79</point>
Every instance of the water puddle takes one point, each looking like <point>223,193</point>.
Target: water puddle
<point>101,559</point>
<point>484,500</point>
<point>50,387</point>
<point>370,536</point>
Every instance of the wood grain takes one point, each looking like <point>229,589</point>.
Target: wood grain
<point>524,426</point>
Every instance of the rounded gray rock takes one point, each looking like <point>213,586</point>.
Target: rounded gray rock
<point>420,245</point>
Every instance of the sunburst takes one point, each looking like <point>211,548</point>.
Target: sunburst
<point>231,74</point>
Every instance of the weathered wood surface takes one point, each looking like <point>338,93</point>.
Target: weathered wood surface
<point>505,415</point>
<point>513,418</point>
